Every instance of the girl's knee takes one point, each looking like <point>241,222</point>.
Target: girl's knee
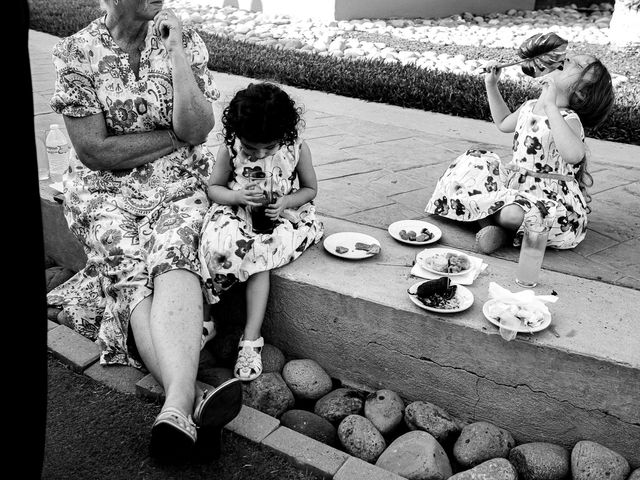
<point>511,217</point>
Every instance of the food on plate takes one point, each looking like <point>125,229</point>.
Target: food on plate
<point>438,293</point>
<point>525,313</point>
<point>340,249</point>
<point>448,262</point>
<point>368,247</point>
<point>413,236</point>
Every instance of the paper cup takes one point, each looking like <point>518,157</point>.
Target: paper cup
<point>508,326</point>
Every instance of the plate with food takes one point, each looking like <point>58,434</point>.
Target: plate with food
<point>530,319</point>
<point>444,261</point>
<point>415,232</point>
<point>351,245</point>
<point>440,295</point>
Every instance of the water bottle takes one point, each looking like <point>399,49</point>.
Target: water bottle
<point>57,151</point>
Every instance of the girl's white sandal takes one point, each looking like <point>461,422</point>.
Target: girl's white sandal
<point>249,363</point>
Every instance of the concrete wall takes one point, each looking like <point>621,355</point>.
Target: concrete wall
<point>353,9</point>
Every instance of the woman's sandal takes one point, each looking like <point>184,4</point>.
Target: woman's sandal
<point>490,238</point>
<point>173,436</point>
<point>249,364</point>
<point>215,409</point>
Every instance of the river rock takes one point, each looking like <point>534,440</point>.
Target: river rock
<point>269,394</point>
<point>360,438</point>
<point>416,455</point>
<point>306,379</point>
<point>481,441</point>
<point>384,408</point>
<point>311,425</point>
<point>591,461</point>
<point>272,359</point>
<point>339,403</point>
<point>540,461</point>
<point>494,469</point>
<point>432,419</point>
<point>635,475</point>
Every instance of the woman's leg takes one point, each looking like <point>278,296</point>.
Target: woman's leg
<point>257,295</point>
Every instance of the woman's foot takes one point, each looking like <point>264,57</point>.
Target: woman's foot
<point>249,364</point>
<point>490,238</point>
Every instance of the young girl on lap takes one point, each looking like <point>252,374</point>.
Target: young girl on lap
<point>546,179</point>
<point>260,128</point>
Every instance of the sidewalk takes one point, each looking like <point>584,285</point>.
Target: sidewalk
<point>377,164</point>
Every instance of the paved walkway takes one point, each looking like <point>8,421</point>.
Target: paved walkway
<point>378,163</point>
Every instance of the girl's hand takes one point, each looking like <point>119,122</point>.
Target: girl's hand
<point>274,210</point>
<point>250,195</point>
<point>168,27</point>
<point>549,92</point>
<point>493,75</point>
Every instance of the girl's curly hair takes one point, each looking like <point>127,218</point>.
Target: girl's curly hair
<point>261,113</point>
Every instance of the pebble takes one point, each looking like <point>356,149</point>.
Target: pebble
<point>590,460</point>
<point>482,441</point>
<point>495,469</point>
<point>306,379</point>
<point>540,461</point>
<point>360,438</point>
<point>385,409</point>
<point>417,456</point>
<point>269,394</point>
<point>311,425</point>
<point>340,403</point>
<point>433,419</point>
<point>272,359</point>
<point>497,30</point>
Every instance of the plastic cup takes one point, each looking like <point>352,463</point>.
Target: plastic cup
<point>534,244</point>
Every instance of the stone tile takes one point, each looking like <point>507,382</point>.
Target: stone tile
<point>625,257</point>
<point>382,217</point>
<point>416,199</point>
<point>387,182</point>
<point>342,169</point>
<point>322,130</point>
<point>612,177</point>
<point>317,116</point>
<point>306,452</point>
<point>402,154</point>
<point>147,387</point>
<point>51,325</point>
<point>379,132</point>
<point>458,147</point>
<point>629,282</point>
<point>253,424</point>
<point>72,348</point>
<point>594,242</point>
<point>356,469</point>
<point>346,141</point>
<point>613,213</point>
<point>344,196</point>
<point>322,153</point>
<point>119,377</point>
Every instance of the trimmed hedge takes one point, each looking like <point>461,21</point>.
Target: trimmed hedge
<point>372,80</point>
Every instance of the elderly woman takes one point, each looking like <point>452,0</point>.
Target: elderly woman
<point>136,97</point>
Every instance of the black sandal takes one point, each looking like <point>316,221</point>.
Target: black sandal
<point>173,436</point>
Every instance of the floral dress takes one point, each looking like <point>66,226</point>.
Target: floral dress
<point>230,251</point>
<point>135,223</point>
<point>477,184</point>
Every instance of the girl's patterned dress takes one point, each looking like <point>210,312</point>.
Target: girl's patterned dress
<point>477,184</point>
<point>137,223</point>
<point>230,251</point>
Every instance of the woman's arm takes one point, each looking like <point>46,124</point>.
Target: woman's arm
<point>193,117</point>
<point>99,151</point>
<point>218,190</point>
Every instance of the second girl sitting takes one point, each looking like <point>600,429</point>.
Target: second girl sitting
<point>262,188</point>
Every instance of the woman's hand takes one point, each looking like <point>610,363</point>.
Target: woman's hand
<point>549,93</point>
<point>169,28</point>
<point>250,195</point>
<point>493,74</point>
<point>274,210</point>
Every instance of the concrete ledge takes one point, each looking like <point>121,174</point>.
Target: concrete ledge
<point>305,452</point>
<point>72,348</point>
<point>356,469</point>
<point>118,377</point>
<point>253,424</point>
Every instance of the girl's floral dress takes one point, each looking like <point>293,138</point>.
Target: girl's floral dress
<point>230,251</point>
<point>477,184</point>
<point>136,223</point>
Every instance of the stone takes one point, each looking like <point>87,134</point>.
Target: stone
<point>269,394</point>
<point>272,359</point>
<point>494,469</point>
<point>339,403</point>
<point>432,419</point>
<point>311,425</point>
<point>384,409</point>
<point>591,461</point>
<point>56,276</point>
<point>481,441</point>
<point>540,461</point>
<point>635,475</point>
<point>306,379</point>
<point>360,438</point>
<point>416,455</point>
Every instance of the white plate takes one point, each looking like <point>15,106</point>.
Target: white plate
<point>522,329</point>
<point>349,240</point>
<point>462,293</point>
<point>425,254</point>
<point>416,226</point>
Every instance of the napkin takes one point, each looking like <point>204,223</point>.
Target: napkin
<point>477,266</point>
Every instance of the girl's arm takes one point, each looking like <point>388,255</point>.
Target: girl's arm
<point>500,113</point>
<point>219,192</point>
<point>99,151</point>
<point>565,132</point>
<point>193,116</point>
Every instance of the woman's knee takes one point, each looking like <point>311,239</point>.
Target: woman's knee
<point>511,217</point>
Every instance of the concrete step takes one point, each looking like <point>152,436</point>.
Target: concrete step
<point>579,379</point>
